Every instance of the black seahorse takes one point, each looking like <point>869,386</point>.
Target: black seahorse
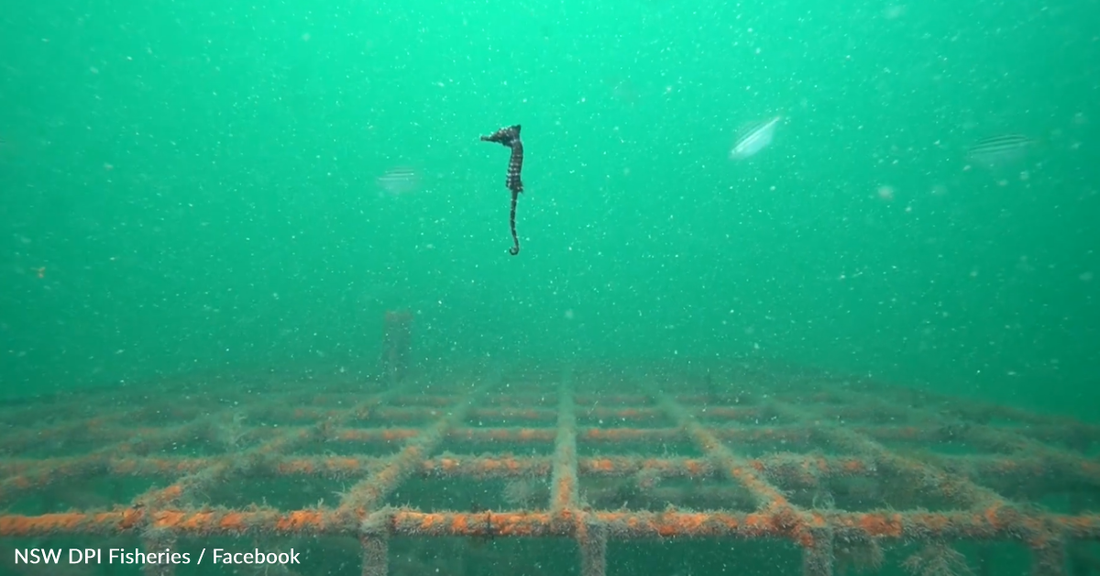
<point>510,137</point>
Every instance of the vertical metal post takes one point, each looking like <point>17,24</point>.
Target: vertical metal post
<point>1076,549</point>
<point>592,539</point>
<point>396,345</point>
<point>817,557</point>
<point>1048,555</point>
<point>376,552</point>
<point>158,544</point>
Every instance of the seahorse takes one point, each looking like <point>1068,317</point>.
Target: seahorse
<point>509,137</point>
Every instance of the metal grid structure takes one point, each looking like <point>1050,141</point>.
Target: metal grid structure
<point>828,463</point>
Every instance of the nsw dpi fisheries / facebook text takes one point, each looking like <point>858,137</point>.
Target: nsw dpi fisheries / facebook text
<point>136,556</point>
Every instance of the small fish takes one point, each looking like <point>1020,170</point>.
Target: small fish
<point>753,138</point>
<point>997,151</point>
<point>399,181</point>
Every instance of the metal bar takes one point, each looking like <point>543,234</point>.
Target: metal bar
<point>915,526</point>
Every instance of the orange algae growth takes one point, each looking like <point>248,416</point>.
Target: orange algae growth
<point>880,525</point>
<point>565,489</point>
<point>343,464</point>
<point>167,519</point>
<point>170,493</point>
<point>459,525</point>
<point>805,539</point>
<point>853,466</point>
<point>692,523</point>
<point>991,515</point>
<point>197,522</point>
<point>233,521</point>
<point>68,521</point>
<point>528,434</point>
<point>603,465</point>
<point>297,520</point>
<point>296,467</point>
<point>428,521</point>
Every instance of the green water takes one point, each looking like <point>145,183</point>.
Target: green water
<point>191,186</point>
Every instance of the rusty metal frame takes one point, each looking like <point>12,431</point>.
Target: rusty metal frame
<point>834,428</point>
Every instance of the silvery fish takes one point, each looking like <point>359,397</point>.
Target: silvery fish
<point>753,138</point>
<point>997,151</point>
<point>399,181</point>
